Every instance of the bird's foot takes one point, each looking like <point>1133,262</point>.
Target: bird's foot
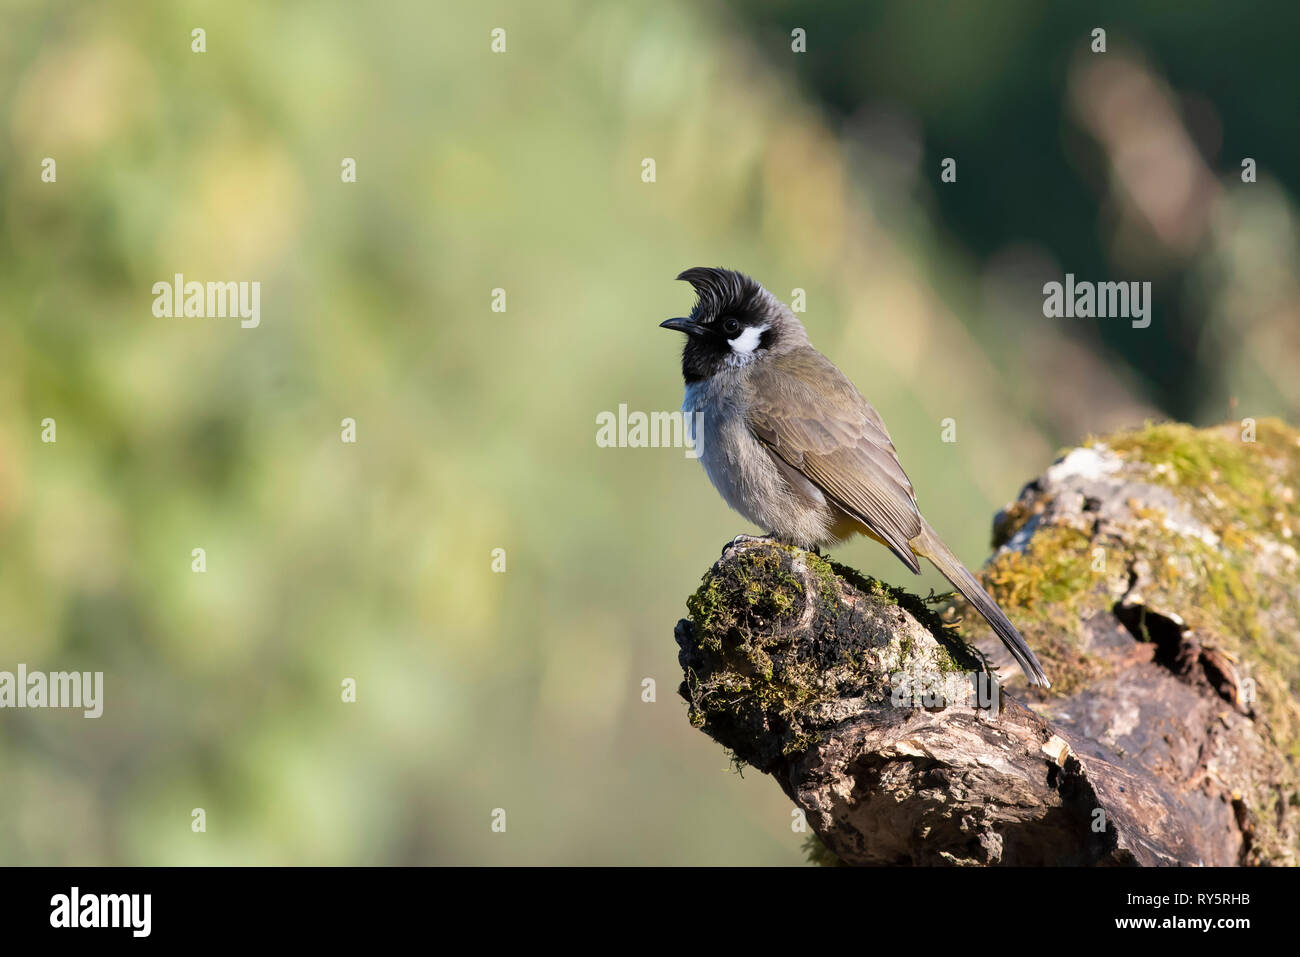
<point>747,540</point>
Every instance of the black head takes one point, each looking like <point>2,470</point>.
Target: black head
<point>734,321</point>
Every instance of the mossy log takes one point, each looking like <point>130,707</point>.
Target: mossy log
<point>1154,574</point>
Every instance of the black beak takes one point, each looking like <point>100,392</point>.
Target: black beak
<point>687,326</point>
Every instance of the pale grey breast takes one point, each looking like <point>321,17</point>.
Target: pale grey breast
<point>749,478</point>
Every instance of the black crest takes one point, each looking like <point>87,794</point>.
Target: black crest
<point>722,292</point>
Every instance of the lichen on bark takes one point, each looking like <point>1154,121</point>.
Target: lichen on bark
<point>1184,537</point>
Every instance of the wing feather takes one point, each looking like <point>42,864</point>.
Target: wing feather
<point>807,413</point>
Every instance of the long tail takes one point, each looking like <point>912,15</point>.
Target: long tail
<point>929,545</point>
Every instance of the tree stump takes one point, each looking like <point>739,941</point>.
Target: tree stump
<point>1153,572</point>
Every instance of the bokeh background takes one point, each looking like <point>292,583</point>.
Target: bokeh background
<point>476,429</point>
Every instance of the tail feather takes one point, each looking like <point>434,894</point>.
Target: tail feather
<point>929,545</point>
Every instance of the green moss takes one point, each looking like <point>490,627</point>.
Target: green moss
<point>827,585</point>
<point>1220,596</point>
<point>769,590</point>
<point>1015,517</point>
<point>754,676</point>
<point>1244,492</point>
<point>1239,490</point>
<point>954,654</point>
<point>1252,485</point>
<point>1234,589</point>
<point>733,613</point>
<point>1049,590</point>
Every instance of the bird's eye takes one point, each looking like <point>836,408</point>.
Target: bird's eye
<point>731,326</point>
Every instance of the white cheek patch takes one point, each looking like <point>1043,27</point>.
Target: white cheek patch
<point>745,343</point>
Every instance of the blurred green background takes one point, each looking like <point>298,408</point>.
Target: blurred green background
<point>476,429</point>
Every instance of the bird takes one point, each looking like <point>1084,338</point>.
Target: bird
<point>792,445</point>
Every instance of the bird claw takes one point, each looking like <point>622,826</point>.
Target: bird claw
<point>746,540</point>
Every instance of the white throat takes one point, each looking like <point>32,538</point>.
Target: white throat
<point>745,345</point>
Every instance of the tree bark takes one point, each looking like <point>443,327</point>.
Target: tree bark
<point>1154,574</point>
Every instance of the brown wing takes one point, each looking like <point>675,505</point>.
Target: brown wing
<point>805,411</point>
